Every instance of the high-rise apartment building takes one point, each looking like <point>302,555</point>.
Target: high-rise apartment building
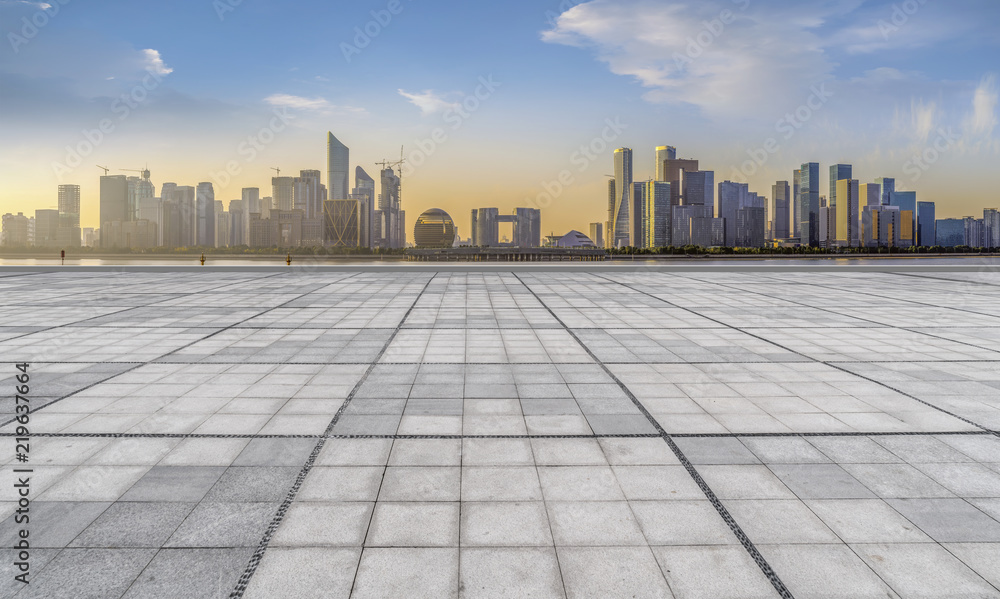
<point>283,193</point>
<point>781,192</point>
<point>846,214</point>
<point>837,173</point>
<point>808,204</point>
<point>991,227</point>
<point>656,212</point>
<point>114,201</point>
<point>732,196</point>
<point>926,224</point>
<point>237,226</point>
<point>206,215</point>
<point>673,168</point>
<point>307,193</point>
<point>796,222</point>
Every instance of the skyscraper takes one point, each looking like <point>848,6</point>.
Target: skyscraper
<point>663,153</point>
<point>206,215</point>
<point>623,197</point>
<point>338,167</point>
<point>139,188</point>
<point>114,201</point>
<point>926,224</point>
<point>672,170</point>
<point>838,172</point>
<point>697,188</point>
<point>637,222</point>
<point>656,214</point>
<point>251,205</point>
<point>795,222</point>
<point>869,194</point>
<point>808,204</point>
<point>307,194</point>
<point>781,193</point>
<point>389,205</point>
<point>732,197</point>
<point>364,192</point>
<point>888,186</point>
<point>846,213</point>
<point>283,192</point>
<point>609,225</point>
<point>69,202</point>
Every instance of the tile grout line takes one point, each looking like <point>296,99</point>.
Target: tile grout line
<point>251,568</point>
<point>737,531</point>
<point>127,435</point>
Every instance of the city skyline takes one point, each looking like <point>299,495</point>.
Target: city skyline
<point>876,96</point>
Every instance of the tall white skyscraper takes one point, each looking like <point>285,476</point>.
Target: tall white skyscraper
<point>621,235</point>
<point>337,166</point>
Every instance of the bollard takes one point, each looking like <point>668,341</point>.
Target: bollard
<point>288,259</point>
<point>203,259</point>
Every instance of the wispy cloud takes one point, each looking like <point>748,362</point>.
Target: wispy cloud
<point>731,62</point>
<point>428,101</point>
<point>319,105</point>
<point>154,63</point>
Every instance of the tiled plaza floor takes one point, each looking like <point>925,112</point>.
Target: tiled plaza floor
<point>629,433</point>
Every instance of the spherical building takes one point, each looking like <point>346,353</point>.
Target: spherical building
<point>434,229</point>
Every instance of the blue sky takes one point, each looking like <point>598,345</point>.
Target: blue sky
<point>714,78</point>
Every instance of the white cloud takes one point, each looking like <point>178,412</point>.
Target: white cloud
<point>735,62</point>
<point>318,104</point>
<point>154,63</point>
<point>428,101</point>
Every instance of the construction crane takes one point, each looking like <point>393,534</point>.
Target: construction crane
<point>386,164</point>
<point>277,170</point>
<point>144,171</point>
<point>106,169</point>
